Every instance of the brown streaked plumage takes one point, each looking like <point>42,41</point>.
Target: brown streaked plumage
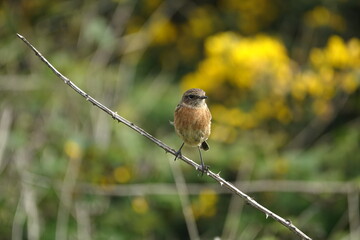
<point>192,121</point>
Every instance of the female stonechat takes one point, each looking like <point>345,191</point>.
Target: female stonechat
<point>192,122</point>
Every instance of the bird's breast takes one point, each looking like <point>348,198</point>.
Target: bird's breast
<point>192,124</point>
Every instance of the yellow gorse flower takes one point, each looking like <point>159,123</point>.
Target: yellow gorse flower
<point>323,17</point>
<point>73,149</point>
<point>252,80</point>
<point>162,31</point>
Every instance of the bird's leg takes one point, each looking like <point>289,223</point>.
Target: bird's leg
<point>203,168</point>
<point>178,153</point>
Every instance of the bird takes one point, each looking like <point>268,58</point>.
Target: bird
<point>192,122</point>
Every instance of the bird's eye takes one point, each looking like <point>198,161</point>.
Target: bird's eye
<point>191,96</point>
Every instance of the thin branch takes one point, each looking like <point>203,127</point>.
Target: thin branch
<point>66,197</point>
<point>19,220</point>
<point>83,222</point>
<point>136,189</point>
<point>5,123</point>
<point>287,223</point>
<point>185,201</point>
<point>28,197</point>
<point>354,216</point>
<point>231,229</point>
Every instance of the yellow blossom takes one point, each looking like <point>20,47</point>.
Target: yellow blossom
<point>252,15</point>
<point>322,108</point>
<point>122,174</point>
<point>73,149</point>
<point>337,52</point>
<point>256,81</point>
<point>350,83</point>
<point>281,166</point>
<point>200,22</point>
<point>321,16</point>
<point>162,31</point>
<point>205,205</point>
<point>298,88</point>
<point>223,133</point>
<point>354,50</point>
<point>220,44</point>
<point>263,109</point>
<point>140,205</point>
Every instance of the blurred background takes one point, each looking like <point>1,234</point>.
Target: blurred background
<point>283,81</point>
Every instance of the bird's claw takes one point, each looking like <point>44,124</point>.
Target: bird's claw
<point>177,155</point>
<point>203,169</point>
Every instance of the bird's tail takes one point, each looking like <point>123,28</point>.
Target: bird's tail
<point>204,146</point>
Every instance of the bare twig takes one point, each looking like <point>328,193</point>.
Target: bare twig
<point>5,122</point>
<point>354,216</point>
<point>136,189</point>
<point>29,209</point>
<point>185,202</point>
<point>83,220</point>
<point>287,223</point>
<point>230,230</point>
<point>66,197</point>
<point>18,221</point>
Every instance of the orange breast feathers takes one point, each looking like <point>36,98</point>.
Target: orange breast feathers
<point>193,125</point>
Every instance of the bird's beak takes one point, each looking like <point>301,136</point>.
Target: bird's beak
<point>203,97</point>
